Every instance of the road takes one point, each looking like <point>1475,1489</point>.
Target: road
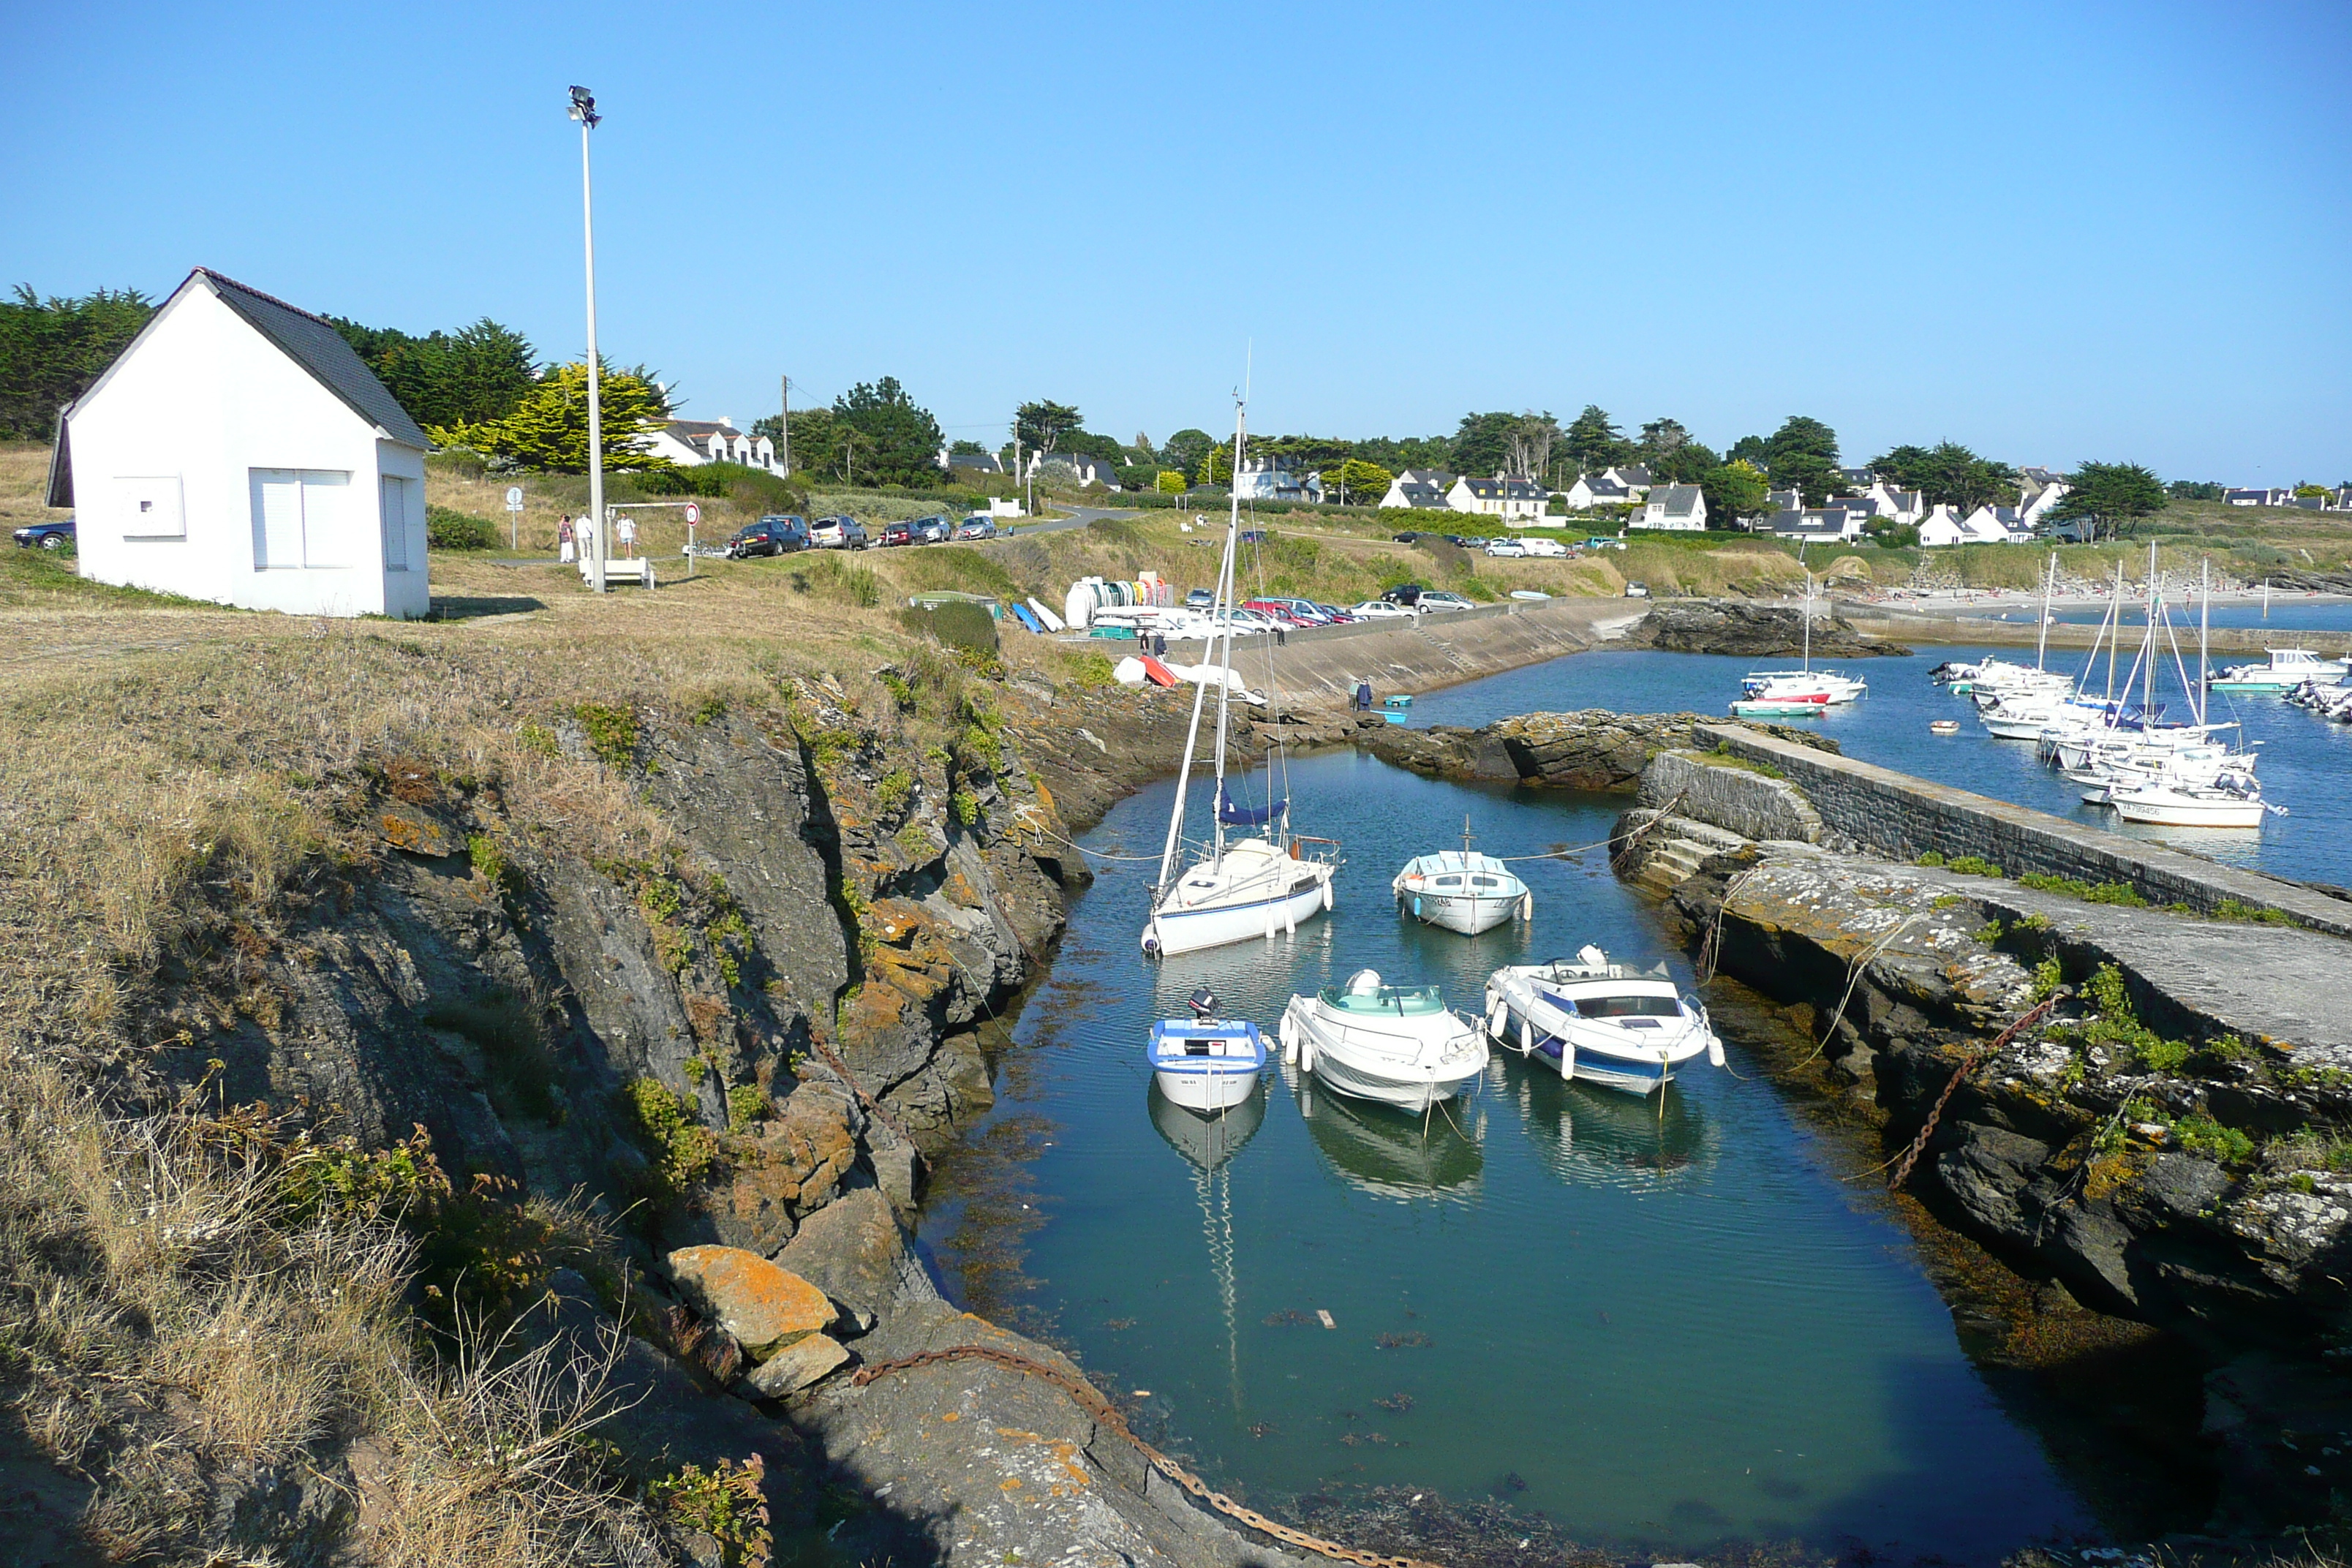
<point>1080,517</point>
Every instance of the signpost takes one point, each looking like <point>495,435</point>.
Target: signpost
<point>693,516</point>
<point>514,518</point>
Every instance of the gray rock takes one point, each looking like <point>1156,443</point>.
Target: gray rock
<point>855,1250</point>
<point>797,1366</point>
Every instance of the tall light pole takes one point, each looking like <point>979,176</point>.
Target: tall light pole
<point>583,109</point>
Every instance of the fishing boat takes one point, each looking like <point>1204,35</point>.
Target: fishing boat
<point>2181,796</point>
<point>1780,707</point>
<point>2288,669</point>
<point>1253,877</point>
<point>1205,1063</point>
<point>1607,1023</point>
<point>1398,1044</point>
<point>1462,889</point>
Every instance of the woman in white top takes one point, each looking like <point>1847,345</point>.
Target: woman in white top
<point>626,532</point>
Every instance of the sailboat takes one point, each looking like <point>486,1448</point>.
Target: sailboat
<point>2172,798</point>
<point>1249,883</point>
<point>1462,889</point>
<point>1778,693</point>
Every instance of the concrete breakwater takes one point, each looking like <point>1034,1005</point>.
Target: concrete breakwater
<point>2157,1140</point>
<point>1439,649</point>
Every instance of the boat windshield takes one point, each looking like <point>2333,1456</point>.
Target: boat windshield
<point>1626,1007</point>
<point>1392,999</point>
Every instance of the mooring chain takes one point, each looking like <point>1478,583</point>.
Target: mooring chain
<point>1969,1061</point>
<point>867,1100</point>
<point>1107,1415</point>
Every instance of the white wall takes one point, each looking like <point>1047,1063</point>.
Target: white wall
<point>205,400</point>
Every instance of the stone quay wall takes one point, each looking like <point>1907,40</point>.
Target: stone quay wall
<point>1902,816</point>
<point>1735,798</point>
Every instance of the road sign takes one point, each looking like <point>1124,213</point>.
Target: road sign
<point>514,497</point>
<point>693,514</point>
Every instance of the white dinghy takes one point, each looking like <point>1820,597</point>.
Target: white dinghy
<point>1606,1022</point>
<point>1462,889</point>
<point>1399,1045</point>
<point>1205,1063</point>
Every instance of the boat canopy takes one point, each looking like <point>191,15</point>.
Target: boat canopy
<point>1234,816</point>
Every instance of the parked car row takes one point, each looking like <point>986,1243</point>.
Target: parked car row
<point>781,536</point>
<point>1269,612</point>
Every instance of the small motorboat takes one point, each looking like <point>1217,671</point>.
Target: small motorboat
<point>1398,1044</point>
<point>1204,1063</point>
<point>2287,669</point>
<point>1943,726</point>
<point>1606,1022</point>
<point>1780,708</point>
<point>1462,889</point>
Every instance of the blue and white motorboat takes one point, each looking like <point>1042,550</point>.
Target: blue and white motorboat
<point>1609,1024</point>
<point>1205,1063</point>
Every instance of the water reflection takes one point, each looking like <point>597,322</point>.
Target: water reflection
<point>1395,1154</point>
<point>1207,1144</point>
<point>1588,1136</point>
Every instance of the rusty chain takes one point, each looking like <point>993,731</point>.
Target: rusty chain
<point>872,1104</point>
<point>1105,1414</point>
<point>1969,1061</point>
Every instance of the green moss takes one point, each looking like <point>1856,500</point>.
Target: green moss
<point>710,709</point>
<point>1974,865</point>
<point>966,807</point>
<point>915,839</point>
<point>746,1103</point>
<point>611,731</point>
<point>2251,914</point>
<point>1932,858</point>
<point>536,737</point>
<point>2201,1135</point>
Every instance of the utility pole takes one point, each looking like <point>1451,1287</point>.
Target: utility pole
<point>583,109</point>
<point>784,424</point>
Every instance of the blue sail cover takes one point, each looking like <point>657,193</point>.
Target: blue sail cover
<point>1234,816</point>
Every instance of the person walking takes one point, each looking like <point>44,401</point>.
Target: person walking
<point>626,532</point>
<point>563,540</point>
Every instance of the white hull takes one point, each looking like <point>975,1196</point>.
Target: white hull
<point>2170,808</point>
<point>1466,914</point>
<point>1206,1091</point>
<point>1600,1051</point>
<point>1461,890</point>
<point>1411,1073</point>
<point>1257,910</point>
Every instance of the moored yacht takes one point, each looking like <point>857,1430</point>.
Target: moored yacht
<point>1607,1023</point>
<point>1462,889</point>
<point>1399,1045</point>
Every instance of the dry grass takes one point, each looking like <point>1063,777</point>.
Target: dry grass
<point>176,1334</point>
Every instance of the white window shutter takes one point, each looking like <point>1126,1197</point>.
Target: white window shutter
<point>396,523</point>
<point>277,519</point>
<point>327,523</point>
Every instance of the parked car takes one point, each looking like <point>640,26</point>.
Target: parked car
<point>833,532</point>
<point>1299,611</point>
<point>1379,610</point>
<point>1338,617</point>
<point>1464,541</point>
<point>1501,547</point>
<point>1414,536</point>
<point>49,536</point>
<point>769,536</point>
<point>1201,599</point>
<point>931,529</point>
<point>898,532</point>
<point>976,527</point>
<point>1405,594</point>
<point>1436,599</point>
<point>1637,590</point>
<point>1252,536</point>
<point>1551,548</point>
<point>1278,609</point>
<point>854,535</point>
<point>1248,620</point>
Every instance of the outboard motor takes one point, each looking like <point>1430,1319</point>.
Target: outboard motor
<point>1204,1004</point>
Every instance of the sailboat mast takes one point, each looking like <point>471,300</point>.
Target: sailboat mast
<point>2204,634</point>
<point>1807,612</point>
<point>1226,594</point>
<point>2117,610</point>
<point>2147,677</point>
<point>2041,644</point>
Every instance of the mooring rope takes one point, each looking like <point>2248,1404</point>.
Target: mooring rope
<point>1105,1414</point>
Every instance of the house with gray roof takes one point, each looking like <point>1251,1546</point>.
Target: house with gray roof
<point>238,451</point>
<point>1679,508</point>
<point>1423,488</point>
<point>1504,496</point>
<point>1820,525</point>
<point>690,443</point>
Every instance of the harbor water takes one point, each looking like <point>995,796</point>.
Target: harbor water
<point>1653,1326</point>
<point>2305,760</point>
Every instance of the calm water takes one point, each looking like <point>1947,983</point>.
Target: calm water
<point>1666,1325</point>
<point>2305,763</point>
<point>2334,615</point>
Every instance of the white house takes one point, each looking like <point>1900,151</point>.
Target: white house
<point>690,443</point>
<point>1635,477</point>
<point>1083,471</point>
<point>237,450</point>
<point>1823,525</point>
<point>1270,478</point>
<point>1941,528</point>
<point>1421,487</point>
<point>1498,497</point>
<point>1996,525</point>
<point>1682,508</point>
<point>970,462</point>
<point>1896,505</point>
<point>1599,490</point>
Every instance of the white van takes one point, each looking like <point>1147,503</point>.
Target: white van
<point>1551,548</point>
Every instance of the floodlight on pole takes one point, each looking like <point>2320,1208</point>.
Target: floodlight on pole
<point>583,109</point>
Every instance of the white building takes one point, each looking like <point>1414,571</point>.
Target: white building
<point>1498,497</point>
<point>1083,469</point>
<point>1680,507</point>
<point>1996,525</point>
<point>690,443</point>
<point>1820,525</point>
<point>237,450</point>
<point>1941,528</point>
<point>1421,488</point>
<point>1270,478</point>
<point>1599,490</point>
<point>1897,506</point>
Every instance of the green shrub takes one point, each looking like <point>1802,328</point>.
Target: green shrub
<point>537,737</point>
<point>746,1103</point>
<point>2251,914</point>
<point>683,1149</point>
<point>2047,978</point>
<point>1932,858</point>
<point>1990,932</point>
<point>966,807</point>
<point>728,1505</point>
<point>956,623</point>
<point>612,733</point>
<point>2201,1135</point>
<point>1975,865</point>
<point>2118,893</point>
<point>448,529</point>
<point>2159,1054</point>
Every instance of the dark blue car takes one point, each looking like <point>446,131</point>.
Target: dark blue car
<point>47,535</point>
<point>770,536</point>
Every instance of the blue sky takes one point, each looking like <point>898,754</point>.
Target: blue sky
<point>2051,230</point>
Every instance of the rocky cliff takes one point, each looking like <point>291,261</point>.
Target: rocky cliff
<point>1594,749</point>
<point>1752,631</point>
